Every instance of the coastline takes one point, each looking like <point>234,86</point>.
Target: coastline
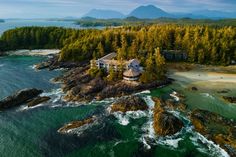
<point>208,76</point>
<point>36,52</point>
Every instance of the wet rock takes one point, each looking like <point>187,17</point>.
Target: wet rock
<point>223,91</point>
<point>75,124</point>
<point>19,98</point>
<point>229,99</point>
<point>170,104</point>
<point>94,86</point>
<point>216,128</point>
<point>194,88</point>
<point>38,100</point>
<point>42,65</point>
<point>165,123</point>
<point>130,103</point>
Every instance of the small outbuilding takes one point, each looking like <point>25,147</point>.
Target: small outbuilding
<point>131,75</point>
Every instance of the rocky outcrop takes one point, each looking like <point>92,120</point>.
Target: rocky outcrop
<point>19,98</point>
<point>38,100</point>
<point>164,122</point>
<point>75,124</point>
<point>53,63</point>
<point>223,91</point>
<point>171,104</point>
<point>80,86</point>
<point>130,103</point>
<point>216,128</point>
<point>194,88</point>
<point>229,99</point>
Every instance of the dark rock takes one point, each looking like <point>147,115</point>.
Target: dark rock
<point>75,124</point>
<point>42,65</point>
<point>194,88</point>
<point>165,123</point>
<point>130,103</point>
<point>37,101</point>
<point>223,91</point>
<point>170,104</point>
<point>19,98</point>
<point>230,99</point>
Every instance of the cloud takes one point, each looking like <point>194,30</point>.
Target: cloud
<point>62,8</point>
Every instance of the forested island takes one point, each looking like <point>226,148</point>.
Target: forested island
<point>202,44</point>
<point>133,21</point>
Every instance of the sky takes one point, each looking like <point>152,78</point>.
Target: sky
<point>77,8</point>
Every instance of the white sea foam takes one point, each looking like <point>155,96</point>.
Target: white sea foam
<point>207,95</point>
<point>170,142</point>
<point>1,65</point>
<point>144,92</point>
<point>174,95</point>
<point>124,118</point>
<point>214,149</point>
<point>149,102</point>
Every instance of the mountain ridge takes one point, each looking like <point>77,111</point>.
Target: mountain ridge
<point>153,12</point>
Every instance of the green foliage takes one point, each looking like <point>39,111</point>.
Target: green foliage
<point>35,37</point>
<point>160,64</point>
<point>203,44</point>
<point>132,21</point>
<point>155,67</point>
<point>112,75</point>
<point>94,71</point>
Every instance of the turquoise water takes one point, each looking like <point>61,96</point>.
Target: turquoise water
<point>16,72</point>
<point>33,132</point>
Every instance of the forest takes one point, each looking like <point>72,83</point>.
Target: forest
<point>203,44</point>
<point>133,21</point>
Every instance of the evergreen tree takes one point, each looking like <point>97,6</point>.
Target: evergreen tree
<point>160,64</point>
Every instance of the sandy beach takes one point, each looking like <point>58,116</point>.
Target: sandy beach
<point>41,52</point>
<point>206,76</point>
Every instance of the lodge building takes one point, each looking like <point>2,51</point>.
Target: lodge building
<point>132,67</point>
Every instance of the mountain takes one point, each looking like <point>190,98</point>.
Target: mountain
<point>215,14</point>
<point>149,12</point>
<point>104,14</point>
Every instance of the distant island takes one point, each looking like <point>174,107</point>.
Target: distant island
<point>134,21</point>
<point>1,20</point>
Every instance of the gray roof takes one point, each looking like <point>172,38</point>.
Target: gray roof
<point>109,56</point>
<point>131,73</point>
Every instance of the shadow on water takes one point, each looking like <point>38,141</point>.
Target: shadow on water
<point>56,144</point>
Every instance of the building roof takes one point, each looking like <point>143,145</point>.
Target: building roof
<point>131,73</point>
<point>111,62</point>
<point>134,61</point>
<point>109,56</point>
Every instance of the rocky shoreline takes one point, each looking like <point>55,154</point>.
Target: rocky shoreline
<point>80,86</point>
<point>19,98</point>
